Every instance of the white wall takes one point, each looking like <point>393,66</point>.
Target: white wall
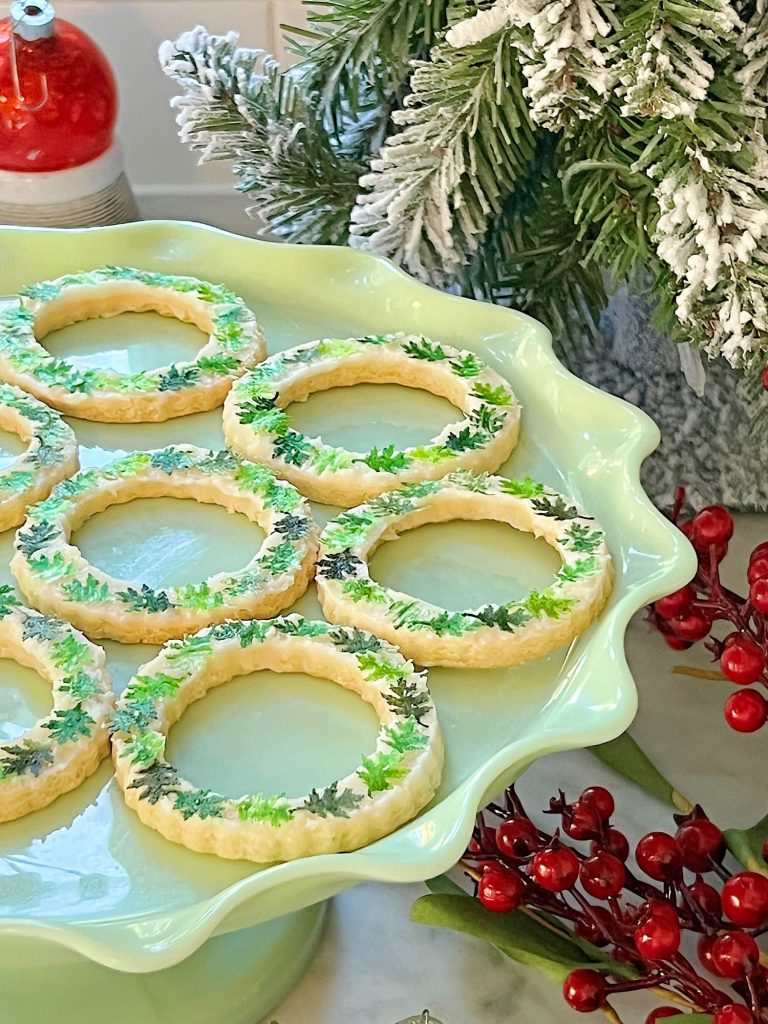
<point>164,174</point>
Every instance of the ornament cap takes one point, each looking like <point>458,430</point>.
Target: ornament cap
<point>32,20</point>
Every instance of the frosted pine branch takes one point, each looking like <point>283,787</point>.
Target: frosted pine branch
<point>753,44</point>
<point>713,234</point>
<point>669,51</point>
<point>566,70</point>
<point>459,144</point>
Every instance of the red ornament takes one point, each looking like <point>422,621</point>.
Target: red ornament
<point>701,843</point>
<point>657,938</point>
<point>602,875</point>
<point>600,800</point>
<point>734,954</point>
<point>712,525</point>
<point>517,838</point>
<point>742,661</point>
<point>58,100</point>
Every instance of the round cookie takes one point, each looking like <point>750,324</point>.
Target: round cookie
<point>257,425</point>
<point>57,578</point>
<point>67,745</point>
<point>493,635</point>
<point>51,456</point>
<point>388,788</point>
<point>235,343</point>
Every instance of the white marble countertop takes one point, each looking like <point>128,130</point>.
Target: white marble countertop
<point>375,966</point>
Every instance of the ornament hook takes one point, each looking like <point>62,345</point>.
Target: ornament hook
<point>29,21</point>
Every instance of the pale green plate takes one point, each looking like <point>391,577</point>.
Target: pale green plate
<point>85,873</point>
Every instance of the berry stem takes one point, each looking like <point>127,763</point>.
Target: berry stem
<point>699,673</point>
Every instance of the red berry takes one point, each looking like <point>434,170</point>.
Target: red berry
<point>600,800</point>
<point>555,870</point>
<point>765,849</point>
<point>701,843</point>
<point>704,950</point>
<point>661,1013</point>
<point>656,938</point>
<point>733,1013</point>
<point>584,990</point>
<point>602,875</point>
<point>742,661</point>
<point>517,838</point>
<point>659,856</point>
<point>746,711</point>
<point>734,954</point>
<point>764,378</point>
<point>580,821</point>
<point>759,551</point>
<point>719,551</point>
<point>758,567</point>
<point>691,626</point>
<point>614,842</point>
<point>500,889</point>
<point>712,525</point>
<point>758,595</point>
<point>708,898</point>
<point>676,603</point>
<point>676,643</point>
<point>745,899</point>
<point>659,908</point>
<point>589,929</point>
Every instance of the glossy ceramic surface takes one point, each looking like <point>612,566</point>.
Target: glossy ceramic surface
<point>84,873</point>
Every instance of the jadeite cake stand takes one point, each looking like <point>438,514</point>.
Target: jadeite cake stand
<point>101,918</point>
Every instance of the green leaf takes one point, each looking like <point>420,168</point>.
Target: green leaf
<point>70,654</point>
<point>491,394</point>
<point>420,489</point>
<point>127,719</point>
<point>199,596</point>
<point>282,497</point>
<point>352,640</point>
<point>380,770</point>
<point>405,736</point>
<point>448,624</point>
<point>422,348</point>
<point>375,666</point>
<point>155,782</point>
<point>581,568</point>
<point>545,603</point>
<point>36,536</point>
<point>170,459</point>
<point>467,366</point>
<point>41,627</point>
<point>364,590</point>
<point>347,529</point>
<point>55,568</point>
<point>264,808</point>
<point>328,459</point>
<point>217,364</point>
<point>301,627</point>
<point>8,600</point>
<point>391,503</point>
<point>292,527</point>
<point>329,803</point>
<point>387,460</point>
<point>177,380</point>
<point>337,348</point>
<point>264,420</point>
<point>281,558</point>
<point>434,453</point>
<point>45,291</point>
<point>555,507</point>
<point>293,448</point>
<point>407,700</point>
<point>746,845</point>
<point>506,617</point>
<point>200,802</point>
<point>18,480</point>
<point>145,599</point>
<point>624,756</point>
<point>66,726</point>
<point>580,538</point>
<point>465,440</point>
<point>144,748</point>
<point>517,935</point>
<point>90,592</point>
<point>25,757</point>
<point>486,418</point>
<point>338,565</point>
<point>153,688</point>
<point>81,686</point>
<point>254,632</point>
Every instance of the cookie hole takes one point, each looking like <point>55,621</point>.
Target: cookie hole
<point>458,565</point>
<point>11,447</point>
<point>25,697</point>
<point>272,733</point>
<point>166,542</point>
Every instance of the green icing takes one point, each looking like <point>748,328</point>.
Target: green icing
<point>264,808</point>
<point>144,748</point>
<point>68,726</point>
<point>405,736</point>
<point>90,591</point>
<point>381,770</point>
<point>329,803</point>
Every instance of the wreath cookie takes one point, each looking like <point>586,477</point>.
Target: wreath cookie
<point>257,426</point>
<point>235,343</point>
<point>57,578</point>
<point>493,635</point>
<point>65,747</point>
<point>51,455</point>
<point>388,788</point>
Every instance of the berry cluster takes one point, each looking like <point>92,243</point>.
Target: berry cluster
<point>640,924</point>
<point>690,613</point>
